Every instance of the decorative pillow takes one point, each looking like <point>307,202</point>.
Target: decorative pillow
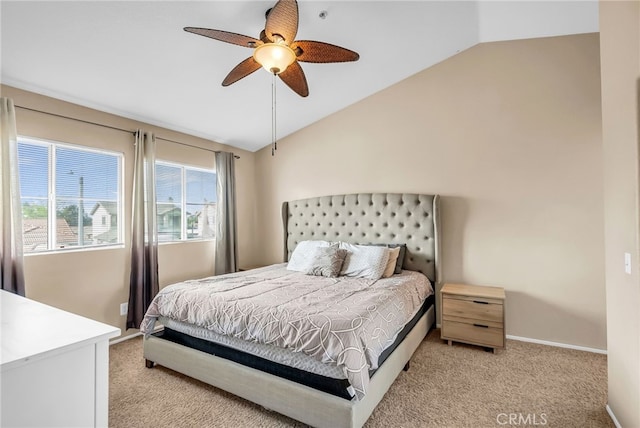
<point>401,254</point>
<point>400,260</point>
<point>302,255</point>
<point>391,263</point>
<point>327,261</point>
<point>364,261</point>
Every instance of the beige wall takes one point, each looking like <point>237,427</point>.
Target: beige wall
<point>620,54</point>
<point>93,283</point>
<point>509,133</point>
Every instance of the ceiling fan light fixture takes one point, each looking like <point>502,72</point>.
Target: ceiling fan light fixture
<point>274,57</point>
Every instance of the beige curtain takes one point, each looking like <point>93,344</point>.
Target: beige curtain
<point>226,256</point>
<point>143,284</point>
<point>12,271</point>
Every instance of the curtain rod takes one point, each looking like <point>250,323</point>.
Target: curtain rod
<point>117,129</point>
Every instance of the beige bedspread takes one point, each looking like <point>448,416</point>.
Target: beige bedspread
<point>343,321</point>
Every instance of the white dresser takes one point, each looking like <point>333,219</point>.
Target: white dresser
<point>54,366</point>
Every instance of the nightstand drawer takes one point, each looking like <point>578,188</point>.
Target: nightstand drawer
<point>474,308</point>
<point>479,334</point>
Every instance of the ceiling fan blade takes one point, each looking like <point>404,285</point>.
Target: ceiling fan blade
<point>294,77</point>
<point>225,36</point>
<point>241,70</point>
<point>311,51</point>
<point>283,20</point>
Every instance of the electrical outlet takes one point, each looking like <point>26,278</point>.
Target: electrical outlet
<point>124,308</point>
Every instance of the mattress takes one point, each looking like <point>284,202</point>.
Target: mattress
<point>294,366</point>
<point>342,322</point>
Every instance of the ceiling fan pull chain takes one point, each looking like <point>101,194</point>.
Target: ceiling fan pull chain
<point>274,144</point>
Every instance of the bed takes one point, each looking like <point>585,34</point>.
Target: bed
<point>310,381</point>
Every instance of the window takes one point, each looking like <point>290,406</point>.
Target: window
<point>65,192</point>
<point>186,202</point>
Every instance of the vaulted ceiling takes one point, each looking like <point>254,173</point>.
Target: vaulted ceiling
<point>132,58</point>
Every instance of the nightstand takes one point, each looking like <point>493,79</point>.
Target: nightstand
<point>473,314</point>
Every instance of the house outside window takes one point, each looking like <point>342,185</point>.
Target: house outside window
<point>60,184</point>
<point>186,202</point>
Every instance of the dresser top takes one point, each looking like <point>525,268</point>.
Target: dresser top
<point>474,290</point>
<point>31,329</point>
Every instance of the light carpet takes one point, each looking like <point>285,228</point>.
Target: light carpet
<point>447,386</point>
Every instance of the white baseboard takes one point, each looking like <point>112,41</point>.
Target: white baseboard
<point>557,344</point>
<point>123,338</point>
<point>157,328</point>
<point>613,417</point>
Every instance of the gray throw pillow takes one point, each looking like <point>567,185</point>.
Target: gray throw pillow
<point>327,261</point>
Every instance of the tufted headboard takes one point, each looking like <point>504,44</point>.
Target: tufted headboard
<point>370,218</point>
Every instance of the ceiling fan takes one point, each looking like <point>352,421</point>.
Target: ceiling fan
<point>277,50</point>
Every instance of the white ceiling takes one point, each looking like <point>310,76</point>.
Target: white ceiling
<point>132,58</point>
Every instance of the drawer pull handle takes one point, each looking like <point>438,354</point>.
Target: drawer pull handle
<point>481,302</point>
<point>480,325</point>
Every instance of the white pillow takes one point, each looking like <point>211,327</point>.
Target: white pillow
<point>391,264</point>
<point>302,257</point>
<point>364,261</point>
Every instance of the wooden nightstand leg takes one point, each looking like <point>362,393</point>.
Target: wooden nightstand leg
<point>450,343</point>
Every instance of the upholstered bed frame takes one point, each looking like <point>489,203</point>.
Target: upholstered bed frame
<point>364,218</point>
